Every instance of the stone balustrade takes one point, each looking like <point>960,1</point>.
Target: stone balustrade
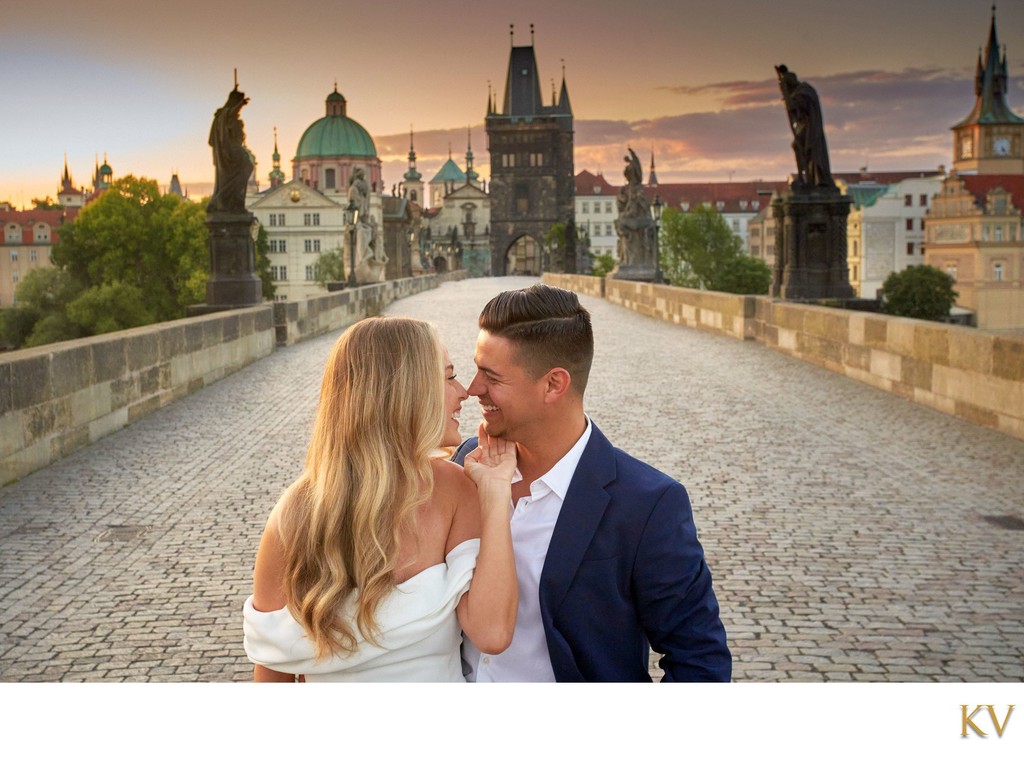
<point>56,398</point>
<point>972,374</point>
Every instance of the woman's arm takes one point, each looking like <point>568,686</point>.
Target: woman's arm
<point>487,612</point>
<point>268,588</point>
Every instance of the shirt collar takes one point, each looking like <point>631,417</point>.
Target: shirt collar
<point>560,475</point>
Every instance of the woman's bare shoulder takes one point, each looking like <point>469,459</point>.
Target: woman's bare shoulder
<point>449,479</point>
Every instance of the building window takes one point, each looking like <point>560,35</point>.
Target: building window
<point>607,207</point>
<point>999,233</point>
<point>32,255</point>
<point>908,200</point>
<point>735,225</point>
<point>910,249</point>
<point>316,246</point>
<point>997,272</point>
<point>924,199</point>
<point>277,220</point>
<point>922,224</point>
<point>720,205</point>
<point>328,180</point>
<point>14,277</point>
<point>608,230</point>
<point>310,271</point>
<point>951,270</point>
<point>585,209</point>
<point>14,257</point>
<point>278,273</point>
<point>910,224</point>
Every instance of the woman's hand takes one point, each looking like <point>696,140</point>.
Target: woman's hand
<point>492,461</point>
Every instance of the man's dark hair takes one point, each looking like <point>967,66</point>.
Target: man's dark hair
<point>548,327</point>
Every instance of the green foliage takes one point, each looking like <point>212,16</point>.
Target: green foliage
<point>330,266</point>
<point>922,292</point>
<point>746,276</point>
<point>698,249</point>
<point>603,264</point>
<point>131,257</point>
<point>46,204</point>
<point>108,308</point>
<point>263,263</point>
<point>554,241</point>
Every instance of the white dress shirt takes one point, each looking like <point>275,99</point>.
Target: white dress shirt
<point>532,523</point>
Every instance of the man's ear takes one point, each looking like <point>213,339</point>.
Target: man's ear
<point>557,383</point>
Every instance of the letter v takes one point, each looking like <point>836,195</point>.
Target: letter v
<point>995,722</point>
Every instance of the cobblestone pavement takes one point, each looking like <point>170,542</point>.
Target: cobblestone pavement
<point>846,528</point>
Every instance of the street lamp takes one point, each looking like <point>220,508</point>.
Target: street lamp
<point>352,219</point>
<point>656,208</point>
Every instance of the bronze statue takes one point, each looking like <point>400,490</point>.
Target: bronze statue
<point>232,161</point>
<point>804,111</point>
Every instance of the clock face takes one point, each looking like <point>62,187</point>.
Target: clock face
<point>1001,146</point>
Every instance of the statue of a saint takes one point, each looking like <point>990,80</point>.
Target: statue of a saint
<point>635,226</point>
<point>809,147</point>
<point>371,259</point>
<point>231,160</point>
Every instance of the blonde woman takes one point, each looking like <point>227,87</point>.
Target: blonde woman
<point>377,556</point>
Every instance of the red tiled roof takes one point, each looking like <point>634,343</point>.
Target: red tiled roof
<point>29,219</point>
<point>979,185</point>
<point>730,194</point>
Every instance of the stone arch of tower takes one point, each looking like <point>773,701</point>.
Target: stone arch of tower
<point>524,256</point>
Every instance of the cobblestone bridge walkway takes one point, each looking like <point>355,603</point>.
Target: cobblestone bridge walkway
<point>851,534</point>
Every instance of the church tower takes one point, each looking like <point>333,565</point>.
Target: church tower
<point>532,177</point>
<point>990,140</point>
<point>277,177</point>
<point>412,180</point>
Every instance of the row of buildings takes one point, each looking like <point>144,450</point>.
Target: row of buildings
<point>966,221</point>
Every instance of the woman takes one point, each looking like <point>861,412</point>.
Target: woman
<point>364,569</point>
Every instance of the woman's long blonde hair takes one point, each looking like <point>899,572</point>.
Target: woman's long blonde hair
<point>381,414</point>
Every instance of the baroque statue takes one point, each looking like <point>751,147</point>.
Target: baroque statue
<point>231,159</point>
<point>804,111</point>
<point>369,255</point>
<point>635,226</point>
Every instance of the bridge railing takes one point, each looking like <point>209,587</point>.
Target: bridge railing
<point>968,373</point>
<point>57,398</point>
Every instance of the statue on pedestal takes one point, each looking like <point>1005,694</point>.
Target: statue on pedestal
<point>371,259</point>
<point>810,219</point>
<point>635,226</point>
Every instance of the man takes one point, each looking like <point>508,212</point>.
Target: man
<point>607,554</point>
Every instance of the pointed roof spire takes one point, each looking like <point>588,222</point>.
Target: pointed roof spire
<point>564,106</point>
<point>652,176</point>
<point>991,86</point>
<point>412,175</point>
<point>471,175</point>
<point>490,99</point>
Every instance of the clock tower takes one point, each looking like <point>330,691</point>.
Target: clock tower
<point>990,140</point>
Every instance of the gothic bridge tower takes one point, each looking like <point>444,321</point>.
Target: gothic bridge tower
<point>532,177</point>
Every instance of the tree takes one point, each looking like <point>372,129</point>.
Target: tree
<point>330,266</point>
<point>921,292</point>
<point>745,275</point>
<point>603,264</point>
<point>697,248</point>
<point>46,204</point>
<point>131,257</point>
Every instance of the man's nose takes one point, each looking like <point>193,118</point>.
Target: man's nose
<point>476,387</point>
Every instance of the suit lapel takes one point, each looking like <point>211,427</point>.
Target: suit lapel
<point>581,512</point>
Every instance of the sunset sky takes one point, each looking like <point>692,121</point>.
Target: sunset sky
<point>694,80</point>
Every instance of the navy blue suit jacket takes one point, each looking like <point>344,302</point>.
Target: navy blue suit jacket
<point>625,570</point>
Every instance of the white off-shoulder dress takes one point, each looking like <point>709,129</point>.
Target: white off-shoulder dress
<point>419,632</point>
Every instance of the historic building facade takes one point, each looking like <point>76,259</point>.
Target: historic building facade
<point>305,216</point>
<point>27,239</point>
<point>532,178</point>
<point>973,230</point>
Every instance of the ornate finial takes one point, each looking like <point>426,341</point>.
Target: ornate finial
<point>531,35</point>
<point>469,137</point>
<point>236,78</point>
<point>512,34</point>
<point>449,151</point>
<point>410,137</point>
<point>552,91</point>
<point>563,69</point>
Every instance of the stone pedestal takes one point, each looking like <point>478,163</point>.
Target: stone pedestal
<point>233,282</point>
<point>810,246</point>
<point>636,272</point>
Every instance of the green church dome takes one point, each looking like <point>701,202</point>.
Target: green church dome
<point>335,134</point>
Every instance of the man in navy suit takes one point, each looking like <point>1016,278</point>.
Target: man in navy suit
<point>607,555</point>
